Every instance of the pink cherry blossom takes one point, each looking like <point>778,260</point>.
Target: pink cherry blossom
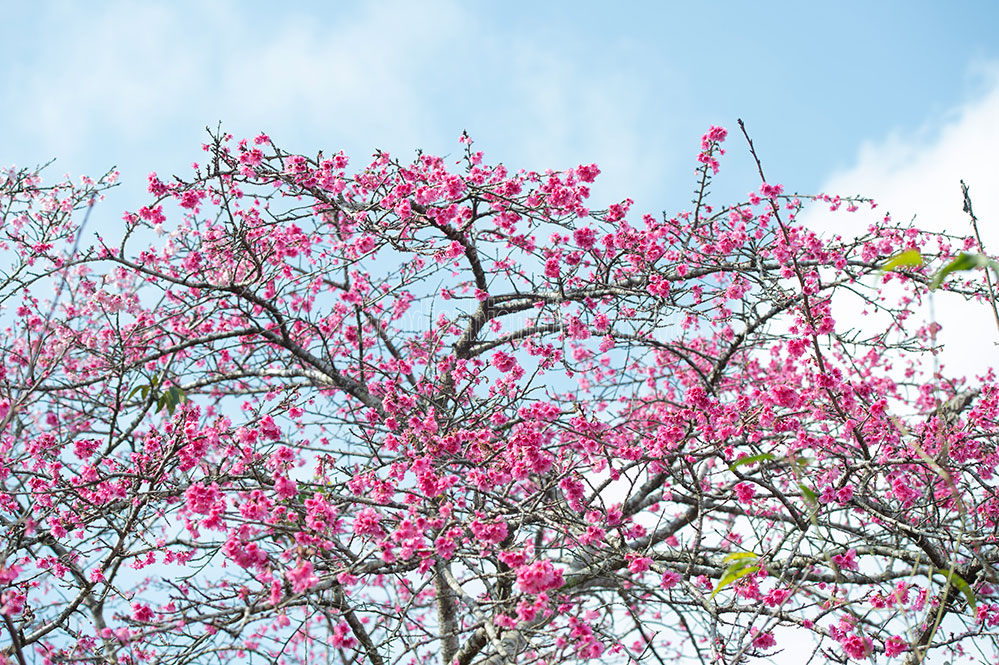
<point>307,413</point>
<point>302,578</point>
<point>538,577</point>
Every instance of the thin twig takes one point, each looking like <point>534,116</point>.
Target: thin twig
<point>981,247</point>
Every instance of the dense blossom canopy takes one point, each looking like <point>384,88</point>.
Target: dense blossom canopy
<point>445,412</point>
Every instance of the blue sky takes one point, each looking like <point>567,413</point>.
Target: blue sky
<point>896,100</point>
<point>630,86</point>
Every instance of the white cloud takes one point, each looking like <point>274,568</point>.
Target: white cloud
<point>120,68</point>
<point>372,77</point>
<point>122,78</point>
<point>917,176</point>
<point>135,86</point>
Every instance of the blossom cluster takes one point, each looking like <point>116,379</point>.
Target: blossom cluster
<point>427,409</point>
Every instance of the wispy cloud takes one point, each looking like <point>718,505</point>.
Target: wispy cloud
<point>136,84</point>
<point>918,177</point>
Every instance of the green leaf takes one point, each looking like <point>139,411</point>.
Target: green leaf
<point>752,459</point>
<point>960,264</point>
<point>736,556</point>
<point>810,495</point>
<point>734,573</point>
<point>177,394</point>
<point>961,584</point>
<point>144,389</point>
<point>907,258</point>
<point>740,564</point>
<point>800,462</point>
<point>171,399</point>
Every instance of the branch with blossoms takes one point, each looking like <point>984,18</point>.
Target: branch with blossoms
<point>427,411</point>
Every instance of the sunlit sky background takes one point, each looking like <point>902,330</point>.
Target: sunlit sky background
<point>896,100</point>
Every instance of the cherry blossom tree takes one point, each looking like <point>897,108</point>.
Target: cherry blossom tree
<point>438,411</point>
